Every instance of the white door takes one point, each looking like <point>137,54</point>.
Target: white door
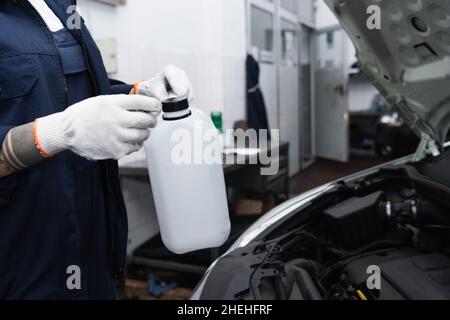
<point>273,41</point>
<point>261,21</point>
<point>331,76</point>
<point>288,80</point>
<point>307,101</point>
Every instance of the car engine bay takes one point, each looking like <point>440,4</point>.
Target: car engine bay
<point>395,222</point>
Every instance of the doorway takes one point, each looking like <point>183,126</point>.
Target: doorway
<point>273,39</point>
<point>331,66</point>
<point>307,100</point>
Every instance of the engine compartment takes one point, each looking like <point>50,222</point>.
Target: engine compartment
<point>394,225</point>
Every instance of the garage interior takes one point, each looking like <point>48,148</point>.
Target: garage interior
<point>332,121</point>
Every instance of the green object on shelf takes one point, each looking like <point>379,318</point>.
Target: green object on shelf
<point>217,118</point>
<point>330,38</point>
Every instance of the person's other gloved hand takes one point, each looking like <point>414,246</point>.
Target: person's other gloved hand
<point>172,81</point>
<point>100,128</point>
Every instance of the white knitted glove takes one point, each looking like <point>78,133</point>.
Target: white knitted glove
<point>104,127</point>
<point>171,82</point>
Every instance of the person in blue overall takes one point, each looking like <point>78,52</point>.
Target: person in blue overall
<point>63,125</point>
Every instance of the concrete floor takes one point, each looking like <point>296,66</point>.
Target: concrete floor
<point>324,171</point>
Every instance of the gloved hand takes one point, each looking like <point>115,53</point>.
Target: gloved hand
<point>172,81</point>
<point>100,128</point>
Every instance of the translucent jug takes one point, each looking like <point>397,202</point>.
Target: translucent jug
<point>189,192</point>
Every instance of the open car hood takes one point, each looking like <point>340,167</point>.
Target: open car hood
<point>408,59</point>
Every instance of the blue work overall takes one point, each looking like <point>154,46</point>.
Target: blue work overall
<point>64,211</point>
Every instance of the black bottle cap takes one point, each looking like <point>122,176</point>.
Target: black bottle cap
<point>175,104</point>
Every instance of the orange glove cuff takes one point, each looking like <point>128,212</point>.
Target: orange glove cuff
<point>38,144</point>
<point>136,87</point>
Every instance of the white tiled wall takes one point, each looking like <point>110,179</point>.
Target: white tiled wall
<point>207,38</point>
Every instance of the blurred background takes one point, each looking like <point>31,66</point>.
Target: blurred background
<point>333,122</point>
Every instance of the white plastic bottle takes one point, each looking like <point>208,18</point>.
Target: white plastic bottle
<point>190,196</point>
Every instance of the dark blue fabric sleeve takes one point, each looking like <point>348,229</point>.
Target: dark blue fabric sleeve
<point>3,131</point>
<point>7,184</point>
<point>119,87</point>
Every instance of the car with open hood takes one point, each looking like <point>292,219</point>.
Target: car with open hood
<point>382,234</point>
